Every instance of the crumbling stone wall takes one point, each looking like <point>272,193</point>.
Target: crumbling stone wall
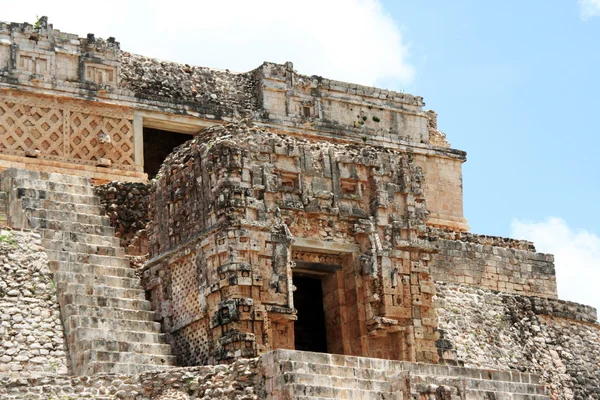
<point>239,380</point>
<point>236,209</point>
<point>31,332</point>
<point>126,204</point>
<point>486,240</point>
<point>209,91</point>
<point>491,262</point>
<point>488,329</point>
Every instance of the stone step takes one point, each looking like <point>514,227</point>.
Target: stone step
<point>21,193</point>
<point>80,237</point>
<point>101,291</point>
<point>380,366</point>
<point>319,386</point>
<point>334,370</point>
<point>3,209</point>
<point>108,312</point>
<point>92,269</point>
<point>512,387</point>
<point>494,381</point>
<point>43,223</point>
<point>46,176</point>
<point>78,247</point>
<point>480,385</point>
<point>156,351</point>
<point>122,357</point>
<point>54,205</point>
<point>85,258</point>
<point>342,376</point>
<point>378,370</point>
<point>484,394</point>
<point>67,216</point>
<point>335,381</point>
<point>119,336</point>
<point>110,325</point>
<point>53,186</point>
<point>132,347</point>
<point>92,279</point>
<point>122,369</point>
<point>327,392</point>
<point>98,301</point>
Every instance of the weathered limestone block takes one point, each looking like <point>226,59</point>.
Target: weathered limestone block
<point>495,263</point>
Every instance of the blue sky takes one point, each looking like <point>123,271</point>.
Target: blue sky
<point>515,84</point>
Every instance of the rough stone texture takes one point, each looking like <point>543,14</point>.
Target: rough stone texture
<point>108,324</point>
<point>219,92</point>
<point>436,137</point>
<point>354,185</point>
<point>31,332</point>
<point>126,204</point>
<point>558,340</point>
<point>107,98</point>
<point>493,263</point>
<point>285,374</point>
<point>237,381</point>
<point>238,210</point>
<point>468,237</point>
<point>303,375</point>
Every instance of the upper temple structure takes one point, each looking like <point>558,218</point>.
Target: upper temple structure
<point>296,236</point>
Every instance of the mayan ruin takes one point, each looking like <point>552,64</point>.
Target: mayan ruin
<point>172,231</point>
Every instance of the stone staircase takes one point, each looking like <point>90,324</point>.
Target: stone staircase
<point>3,209</point>
<point>302,375</point>
<point>107,320</point>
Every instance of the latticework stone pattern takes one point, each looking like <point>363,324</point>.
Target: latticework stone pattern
<point>65,131</point>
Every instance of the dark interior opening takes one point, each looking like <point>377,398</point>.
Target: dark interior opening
<point>309,329</point>
<point>158,144</point>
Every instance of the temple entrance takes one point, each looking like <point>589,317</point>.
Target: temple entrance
<point>158,144</point>
<point>309,330</point>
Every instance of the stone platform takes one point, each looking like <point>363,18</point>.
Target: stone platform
<point>290,374</point>
<point>294,374</point>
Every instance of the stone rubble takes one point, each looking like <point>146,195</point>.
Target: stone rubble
<point>151,78</point>
<point>435,234</point>
<point>126,204</point>
<point>237,381</point>
<point>487,329</point>
<point>31,333</point>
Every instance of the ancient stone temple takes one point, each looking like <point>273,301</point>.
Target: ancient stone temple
<point>178,232</point>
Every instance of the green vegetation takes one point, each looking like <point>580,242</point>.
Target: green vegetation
<point>8,238</point>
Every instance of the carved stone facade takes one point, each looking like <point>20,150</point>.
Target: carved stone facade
<point>304,214</point>
<point>239,212</point>
<point>68,131</point>
<point>81,106</point>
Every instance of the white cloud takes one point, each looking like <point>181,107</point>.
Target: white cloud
<point>576,252</point>
<point>589,9</point>
<point>350,40</point>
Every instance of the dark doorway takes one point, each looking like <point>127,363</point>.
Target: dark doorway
<point>158,144</point>
<point>309,329</point>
